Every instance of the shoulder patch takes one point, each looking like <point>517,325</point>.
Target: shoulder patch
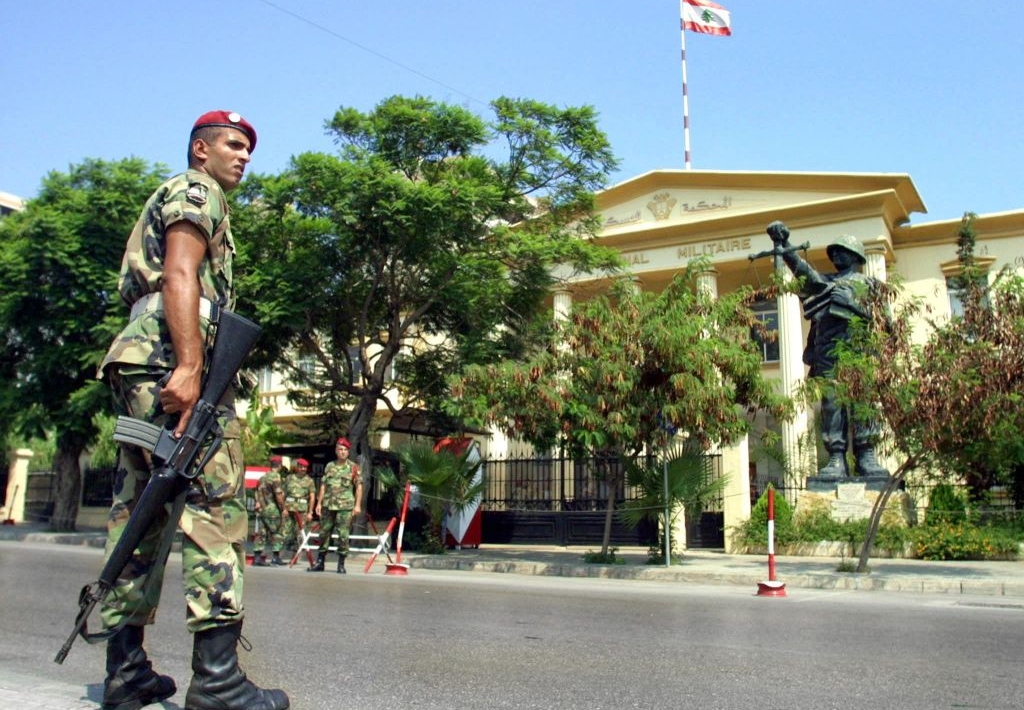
<point>196,193</point>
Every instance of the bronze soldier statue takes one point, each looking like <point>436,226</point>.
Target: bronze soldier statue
<point>830,302</point>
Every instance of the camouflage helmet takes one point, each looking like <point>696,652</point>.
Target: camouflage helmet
<point>850,244</point>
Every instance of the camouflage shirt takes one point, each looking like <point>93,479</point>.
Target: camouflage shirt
<point>195,197</point>
<point>296,492</point>
<point>339,486</point>
<point>267,490</point>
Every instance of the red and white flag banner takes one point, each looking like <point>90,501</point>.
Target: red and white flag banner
<point>704,16</point>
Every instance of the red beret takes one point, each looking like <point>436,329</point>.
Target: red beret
<point>344,442</point>
<point>275,459</point>
<point>227,119</point>
<point>302,462</point>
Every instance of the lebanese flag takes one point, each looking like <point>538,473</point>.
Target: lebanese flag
<point>704,16</point>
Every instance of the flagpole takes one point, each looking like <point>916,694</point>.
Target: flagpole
<point>686,105</point>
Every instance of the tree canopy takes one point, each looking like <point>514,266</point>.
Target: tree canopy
<point>59,308</point>
<point>415,250</point>
<point>627,369</point>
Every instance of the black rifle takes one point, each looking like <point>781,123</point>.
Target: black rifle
<point>175,461</point>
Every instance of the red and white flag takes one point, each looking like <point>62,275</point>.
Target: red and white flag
<point>704,16</point>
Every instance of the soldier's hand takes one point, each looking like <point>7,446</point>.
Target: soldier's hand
<point>778,232</point>
<point>179,395</point>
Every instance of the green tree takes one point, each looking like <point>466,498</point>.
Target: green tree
<point>59,308</point>
<point>259,432</point>
<point>381,270</point>
<point>626,367</point>
<point>953,401</point>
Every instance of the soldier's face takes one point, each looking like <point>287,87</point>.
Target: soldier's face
<point>341,451</point>
<point>225,158</point>
<point>843,259</point>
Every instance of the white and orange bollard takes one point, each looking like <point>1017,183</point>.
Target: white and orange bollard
<point>772,587</point>
<point>397,567</point>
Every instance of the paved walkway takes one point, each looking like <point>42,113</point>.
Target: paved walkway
<point>1004,580</point>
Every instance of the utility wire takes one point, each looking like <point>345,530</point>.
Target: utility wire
<point>371,51</point>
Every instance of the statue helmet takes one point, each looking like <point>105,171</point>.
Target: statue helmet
<point>850,244</point>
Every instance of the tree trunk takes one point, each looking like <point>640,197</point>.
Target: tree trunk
<point>359,437</point>
<point>68,493</point>
<point>879,509</point>
<point>609,516</point>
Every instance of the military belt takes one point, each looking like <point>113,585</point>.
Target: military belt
<point>154,303</point>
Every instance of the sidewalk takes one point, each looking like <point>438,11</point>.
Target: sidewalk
<point>997,579</point>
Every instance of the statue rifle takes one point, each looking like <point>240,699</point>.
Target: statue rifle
<point>777,251</point>
<point>176,462</point>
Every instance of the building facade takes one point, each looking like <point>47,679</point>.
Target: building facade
<point>662,220</point>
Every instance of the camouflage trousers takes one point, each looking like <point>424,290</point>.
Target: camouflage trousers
<point>269,531</point>
<point>213,522</point>
<point>290,536</point>
<point>337,521</point>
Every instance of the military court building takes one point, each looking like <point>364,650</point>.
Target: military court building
<point>661,220</point>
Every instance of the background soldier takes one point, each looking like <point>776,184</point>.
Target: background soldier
<point>341,489</point>
<point>830,302</point>
<point>299,500</point>
<point>176,273</point>
<point>270,510</point>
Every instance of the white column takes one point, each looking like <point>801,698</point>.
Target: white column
<point>791,369</point>
<point>707,282</point>
<point>17,483</point>
<point>562,305</point>
<point>875,266</point>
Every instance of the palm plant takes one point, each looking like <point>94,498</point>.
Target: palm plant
<point>681,473</point>
<point>445,481</point>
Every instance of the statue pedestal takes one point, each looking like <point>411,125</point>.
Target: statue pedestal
<point>817,484</point>
<point>850,497</point>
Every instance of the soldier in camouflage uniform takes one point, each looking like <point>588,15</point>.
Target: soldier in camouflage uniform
<point>299,501</point>
<point>830,302</point>
<point>341,489</point>
<point>175,275</point>
<point>270,511</point>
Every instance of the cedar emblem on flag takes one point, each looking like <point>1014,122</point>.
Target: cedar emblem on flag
<point>704,16</point>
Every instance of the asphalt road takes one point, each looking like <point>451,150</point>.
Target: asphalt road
<point>450,640</point>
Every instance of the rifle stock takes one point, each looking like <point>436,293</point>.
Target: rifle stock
<point>175,461</point>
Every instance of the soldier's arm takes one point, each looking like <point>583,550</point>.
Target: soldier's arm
<point>186,249</point>
<point>358,490</point>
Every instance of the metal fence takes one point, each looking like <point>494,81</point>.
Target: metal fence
<point>561,500</point>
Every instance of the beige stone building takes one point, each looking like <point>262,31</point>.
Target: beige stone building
<point>663,219</point>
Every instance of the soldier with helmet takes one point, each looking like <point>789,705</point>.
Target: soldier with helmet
<point>830,302</point>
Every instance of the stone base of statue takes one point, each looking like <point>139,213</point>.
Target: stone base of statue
<point>852,499</point>
<point>829,484</point>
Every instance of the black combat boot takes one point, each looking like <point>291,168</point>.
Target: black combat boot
<point>318,566</point>
<point>835,468</point>
<point>867,463</point>
<point>131,681</point>
<point>341,564</point>
<point>276,561</point>
<point>259,560</point>
<point>218,683</point>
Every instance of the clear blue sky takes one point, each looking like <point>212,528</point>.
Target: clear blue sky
<point>932,88</point>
